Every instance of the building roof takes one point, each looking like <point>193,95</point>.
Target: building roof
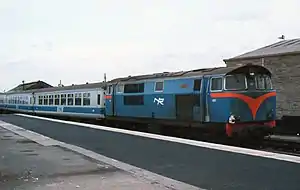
<point>30,86</point>
<point>63,88</point>
<point>284,47</point>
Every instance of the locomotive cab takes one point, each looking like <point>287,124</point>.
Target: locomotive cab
<point>244,100</point>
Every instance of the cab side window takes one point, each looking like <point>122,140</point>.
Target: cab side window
<point>216,84</point>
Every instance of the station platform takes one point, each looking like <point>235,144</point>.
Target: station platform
<point>192,164</point>
<point>27,165</point>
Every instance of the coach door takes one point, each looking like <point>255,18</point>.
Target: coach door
<point>213,108</point>
<point>188,105</point>
<point>109,101</point>
<point>197,105</point>
<point>32,102</point>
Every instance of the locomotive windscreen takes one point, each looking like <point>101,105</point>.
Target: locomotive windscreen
<point>248,82</point>
<point>235,82</point>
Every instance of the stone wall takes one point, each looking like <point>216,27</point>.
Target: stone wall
<point>286,80</point>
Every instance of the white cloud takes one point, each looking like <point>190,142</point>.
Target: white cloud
<point>78,41</point>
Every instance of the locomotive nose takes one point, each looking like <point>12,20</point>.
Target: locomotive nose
<point>233,119</point>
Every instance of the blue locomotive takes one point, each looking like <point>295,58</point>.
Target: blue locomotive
<point>231,100</point>
<point>235,100</point>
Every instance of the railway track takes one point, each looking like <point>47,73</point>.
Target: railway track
<point>282,146</point>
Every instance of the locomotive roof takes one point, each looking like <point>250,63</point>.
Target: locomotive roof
<point>196,72</point>
<point>70,87</point>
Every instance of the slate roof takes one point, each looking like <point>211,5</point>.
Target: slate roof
<point>30,86</point>
<point>284,47</point>
<point>69,87</point>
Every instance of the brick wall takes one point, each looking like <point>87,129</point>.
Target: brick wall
<point>286,80</point>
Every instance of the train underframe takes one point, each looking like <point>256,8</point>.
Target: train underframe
<point>249,130</point>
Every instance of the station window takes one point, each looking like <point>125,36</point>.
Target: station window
<point>56,99</point>
<point>98,99</point>
<point>134,100</point>
<point>51,100</point>
<point>40,100</point>
<point>78,99</point>
<point>70,99</point>
<point>159,86</point>
<point>134,88</point>
<point>216,84</point>
<point>86,99</point>
<point>63,99</point>
<point>197,84</point>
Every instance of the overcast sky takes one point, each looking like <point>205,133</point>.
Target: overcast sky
<point>79,40</point>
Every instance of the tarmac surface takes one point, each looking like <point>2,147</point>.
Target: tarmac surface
<point>198,166</point>
<point>26,165</point>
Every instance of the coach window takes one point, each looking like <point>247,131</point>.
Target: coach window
<point>56,99</point>
<point>120,88</point>
<point>86,99</point>
<point>45,100</point>
<point>197,84</point>
<point>70,99</point>
<point>216,84</point>
<point>159,86</point>
<point>63,99</point>
<point>78,99</point>
<point>110,89</point>
<point>98,99</point>
<point>40,100</point>
<point>51,100</point>
<point>134,88</point>
<point>134,100</point>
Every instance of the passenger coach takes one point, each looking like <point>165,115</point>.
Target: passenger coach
<point>85,101</point>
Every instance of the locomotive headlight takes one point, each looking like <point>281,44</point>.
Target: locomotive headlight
<point>270,114</point>
<point>232,119</point>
